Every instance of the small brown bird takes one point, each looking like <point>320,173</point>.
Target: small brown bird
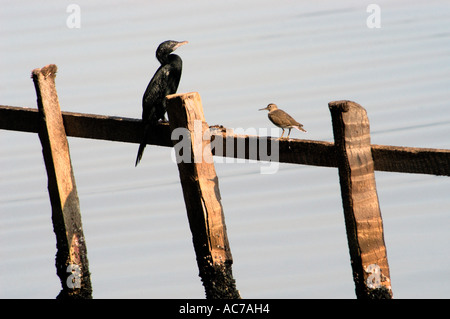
<point>281,119</point>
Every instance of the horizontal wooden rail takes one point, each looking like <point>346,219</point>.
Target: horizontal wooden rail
<point>295,151</point>
<point>101,127</point>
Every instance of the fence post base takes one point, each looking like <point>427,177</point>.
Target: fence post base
<point>72,265</point>
<point>363,221</point>
<point>201,194</point>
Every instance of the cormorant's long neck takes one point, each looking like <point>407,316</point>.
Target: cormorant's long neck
<point>163,58</point>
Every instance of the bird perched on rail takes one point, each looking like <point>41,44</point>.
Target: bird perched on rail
<point>164,82</point>
<point>281,119</point>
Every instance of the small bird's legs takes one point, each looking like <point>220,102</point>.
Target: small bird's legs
<point>289,133</point>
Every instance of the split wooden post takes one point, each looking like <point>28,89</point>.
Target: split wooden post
<point>362,213</point>
<point>71,258</point>
<point>191,139</point>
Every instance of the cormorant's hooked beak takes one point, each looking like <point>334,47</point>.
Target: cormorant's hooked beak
<point>179,44</point>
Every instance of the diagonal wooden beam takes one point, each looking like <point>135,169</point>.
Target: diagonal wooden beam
<point>72,264</point>
<point>362,213</point>
<point>202,195</point>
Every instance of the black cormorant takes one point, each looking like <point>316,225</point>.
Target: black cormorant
<point>281,119</point>
<point>164,82</point>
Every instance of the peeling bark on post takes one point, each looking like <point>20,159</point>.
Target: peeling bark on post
<point>362,213</point>
<point>201,195</point>
<point>71,257</point>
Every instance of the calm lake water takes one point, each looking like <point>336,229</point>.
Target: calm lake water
<point>286,230</point>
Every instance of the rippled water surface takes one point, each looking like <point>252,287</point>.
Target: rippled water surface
<point>286,230</point>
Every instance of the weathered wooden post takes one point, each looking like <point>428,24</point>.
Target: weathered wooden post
<point>71,258</point>
<point>201,194</point>
<point>362,213</point>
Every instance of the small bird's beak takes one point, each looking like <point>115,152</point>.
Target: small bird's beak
<point>265,108</point>
<point>180,44</point>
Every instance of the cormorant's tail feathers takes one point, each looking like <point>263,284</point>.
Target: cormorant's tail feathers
<point>143,144</point>
<point>140,153</point>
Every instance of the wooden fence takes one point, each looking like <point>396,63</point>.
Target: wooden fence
<point>352,153</point>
